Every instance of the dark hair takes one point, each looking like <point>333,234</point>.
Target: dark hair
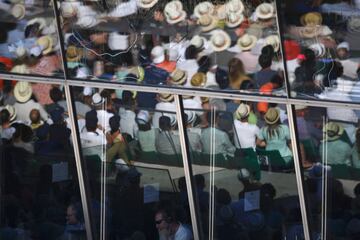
<point>357,189</point>
<point>114,123</point>
<point>277,79</point>
<point>268,50</point>
<point>221,77</point>
<point>55,94</point>
<point>4,116</point>
<point>200,181</point>
<point>223,196</point>
<point>204,64</point>
<point>310,57</point>
<point>265,61</point>
<point>164,123</point>
<point>236,69</point>
<point>32,29</point>
<point>91,120</point>
<point>247,84</point>
<point>191,52</point>
<point>268,190</point>
<point>338,69</point>
<point>127,98</point>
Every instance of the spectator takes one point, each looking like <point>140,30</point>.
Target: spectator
<point>167,141</point>
<point>237,74</point>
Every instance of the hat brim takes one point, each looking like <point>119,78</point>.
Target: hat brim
<point>23,11</point>
<point>235,24</point>
<point>225,46</point>
<point>20,98</point>
<point>50,47</point>
<point>239,117</point>
<point>210,27</point>
<point>197,12</point>
<point>254,40</point>
<point>262,16</point>
<point>337,136</point>
<point>177,20</point>
<point>276,47</point>
<point>147,6</point>
<point>273,121</point>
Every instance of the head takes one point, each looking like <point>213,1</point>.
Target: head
<point>114,122</point>
<point>204,64</point>
<point>35,116</point>
<point>165,123</point>
<point>74,214</point>
<point>265,61</point>
<point>162,220</point>
<point>4,116</point>
<point>277,81</point>
<point>191,52</point>
<point>91,121</point>
<point>268,50</point>
<point>235,68</point>
<point>56,94</point>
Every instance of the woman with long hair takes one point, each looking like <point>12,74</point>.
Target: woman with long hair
<point>237,74</point>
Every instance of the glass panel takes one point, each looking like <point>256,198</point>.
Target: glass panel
<point>40,196</point>
<point>322,49</point>
<point>131,146</point>
<point>244,170</point>
<point>29,43</point>
<point>329,146</point>
<point>227,46</point>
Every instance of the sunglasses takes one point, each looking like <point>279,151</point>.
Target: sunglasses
<point>159,221</point>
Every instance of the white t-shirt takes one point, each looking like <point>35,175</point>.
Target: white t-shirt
<point>103,119</point>
<point>245,133</point>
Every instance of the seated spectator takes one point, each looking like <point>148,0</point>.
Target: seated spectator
<point>275,136</point>
<point>163,107</point>
<point>35,120</point>
<point>128,125</point>
<point>221,141</point>
<point>194,137</point>
<point>167,141</point>
<point>115,141</point>
<point>245,133</point>
<point>146,134</point>
<point>266,73</point>
<point>337,150</point>
<point>103,107</point>
<point>237,74</point>
<point>161,60</point>
<point>351,66</point>
<point>92,136</point>
<point>6,131</point>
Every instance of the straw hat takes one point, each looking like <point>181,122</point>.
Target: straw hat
<point>12,112</point>
<point>191,116</point>
<point>234,19</point>
<point>207,23</point>
<point>265,11</point>
<point>309,32</point>
<point>174,12</point>
<point>198,42</point>
<point>247,42</point>
<point>46,43</point>
<point>21,69</point>
<point>272,116</point>
<point>333,131</point>
<point>41,21</point>
<point>22,91</point>
<point>319,49</point>
<point>198,80</point>
<point>242,111</point>
<point>203,8</point>
<point>18,11</point>
<point>147,3</point>
<point>73,54</point>
<point>220,40</point>
<point>69,8</point>
<point>178,77</point>
<point>311,19</point>
<point>158,54</point>
<point>118,41</point>
<point>143,117</point>
<point>166,97</point>
<point>97,99</point>
<point>234,6</point>
<point>274,41</point>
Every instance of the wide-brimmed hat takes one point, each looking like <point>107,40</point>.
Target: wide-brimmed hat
<point>174,12</point>
<point>191,116</point>
<point>73,54</point>
<point>22,91</point>
<point>166,97</point>
<point>247,42</point>
<point>309,31</point>
<point>118,41</point>
<point>207,23</point>
<point>39,20</point>
<point>319,49</point>
<point>198,79</point>
<point>178,77</point>
<point>12,112</point>
<point>220,40</point>
<point>265,11</point>
<point>274,41</point>
<point>234,19</point>
<point>198,41</point>
<point>333,131</point>
<point>158,54</point>
<point>242,111</point>
<point>69,8</point>
<point>97,99</point>
<point>21,69</point>
<point>234,6</point>
<point>18,11</point>
<point>311,19</point>
<point>292,49</point>
<point>272,116</point>
<point>203,8</point>
<point>147,3</point>
<point>46,43</point>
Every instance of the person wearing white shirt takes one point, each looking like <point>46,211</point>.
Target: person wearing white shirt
<point>165,106</point>
<point>190,65</point>
<point>91,139</point>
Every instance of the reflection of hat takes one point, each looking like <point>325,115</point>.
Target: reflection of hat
<point>234,19</point>
<point>46,43</point>
<point>147,3</point>
<point>18,11</point>
<point>247,42</point>
<point>343,45</point>
<point>158,54</point>
<point>191,115</point>
<point>265,11</point>
<point>242,111</point>
<point>21,69</point>
<point>319,49</point>
<point>117,41</point>
<point>97,99</point>
<point>220,40</point>
<point>234,6</point>
<point>12,112</point>
<point>69,8</point>
<point>333,131</point>
<point>22,91</point>
<point>198,41</point>
<point>73,54</point>
<point>274,41</point>
<point>41,21</point>
<point>198,79</point>
<point>292,49</point>
<point>87,91</point>
<point>143,117</point>
<point>203,8</point>
<point>311,19</point>
<point>207,23</point>
<point>174,12</point>
<point>178,77</point>
<point>272,116</point>
<point>166,97</point>
<point>309,32</point>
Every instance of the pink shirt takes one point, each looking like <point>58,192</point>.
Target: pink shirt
<point>249,60</point>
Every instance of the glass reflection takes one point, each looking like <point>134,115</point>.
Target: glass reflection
<point>133,160</point>
<point>329,155</point>
<point>226,45</point>
<point>244,171</point>
<point>321,48</point>
<point>40,196</point>
<point>29,42</point>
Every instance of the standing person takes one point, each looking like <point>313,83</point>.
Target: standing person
<point>275,136</point>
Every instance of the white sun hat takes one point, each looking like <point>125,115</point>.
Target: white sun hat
<point>158,54</point>
<point>40,20</point>
<point>46,43</point>
<point>203,8</point>
<point>174,12</point>
<point>207,23</point>
<point>22,91</point>
<point>235,6</point>
<point>146,4</point>
<point>247,42</point>
<point>118,41</point>
<point>220,40</point>
<point>274,41</point>
<point>198,41</point>
<point>265,11</point>
<point>18,11</point>
<point>69,8</point>
<point>319,49</point>
<point>234,19</point>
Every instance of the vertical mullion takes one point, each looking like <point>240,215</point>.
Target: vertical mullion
<point>190,184</point>
<point>298,170</point>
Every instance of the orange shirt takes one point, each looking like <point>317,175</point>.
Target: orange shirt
<point>167,66</point>
<point>266,89</point>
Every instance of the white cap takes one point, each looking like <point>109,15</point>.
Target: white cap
<point>143,116</point>
<point>87,91</point>
<point>158,54</point>
<point>343,45</point>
